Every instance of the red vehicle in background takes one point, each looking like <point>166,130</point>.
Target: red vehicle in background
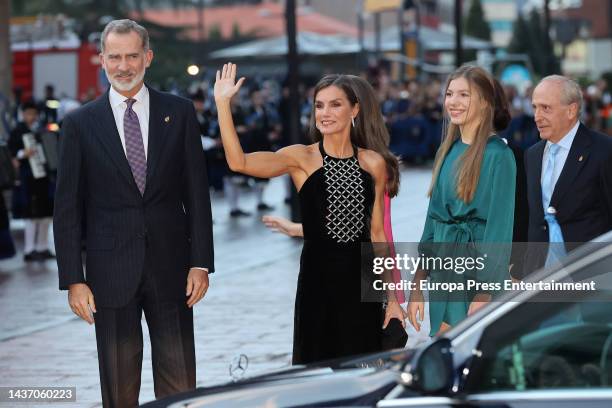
<point>45,52</point>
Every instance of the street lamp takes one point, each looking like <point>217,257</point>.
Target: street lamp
<point>293,79</point>
<point>193,70</point>
<point>410,38</point>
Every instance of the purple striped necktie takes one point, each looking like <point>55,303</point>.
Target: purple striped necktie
<point>134,146</point>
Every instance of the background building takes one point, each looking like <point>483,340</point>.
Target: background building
<point>583,30</point>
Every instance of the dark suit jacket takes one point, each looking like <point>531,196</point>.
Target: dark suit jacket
<point>171,224</point>
<point>521,214</point>
<point>583,193</point>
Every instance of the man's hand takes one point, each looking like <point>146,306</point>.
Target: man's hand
<point>81,301</point>
<point>29,152</point>
<point>197,285</point>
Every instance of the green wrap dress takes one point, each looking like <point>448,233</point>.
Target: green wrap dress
<point>488,218</point>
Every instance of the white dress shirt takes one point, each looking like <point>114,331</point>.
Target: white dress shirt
<point>140,107</point>
<point>565,145</point>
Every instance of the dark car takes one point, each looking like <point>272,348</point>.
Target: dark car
<point>532,348</point>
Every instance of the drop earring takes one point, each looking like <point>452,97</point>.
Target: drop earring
<point>353,121</point>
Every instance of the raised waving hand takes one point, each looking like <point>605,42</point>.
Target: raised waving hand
<point>225,85</point>
<point>257,164</point>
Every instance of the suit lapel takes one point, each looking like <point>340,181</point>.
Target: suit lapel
<point>160,120</point>
<point>109,137</point>
<point>577,157</point>
<point>536,174</point>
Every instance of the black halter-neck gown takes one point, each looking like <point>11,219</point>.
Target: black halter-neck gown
<point>331,321</point>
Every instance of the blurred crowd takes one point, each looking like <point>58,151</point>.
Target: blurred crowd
<point>412,110</point>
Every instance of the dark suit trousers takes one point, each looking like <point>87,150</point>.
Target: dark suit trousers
<point>120,345</point>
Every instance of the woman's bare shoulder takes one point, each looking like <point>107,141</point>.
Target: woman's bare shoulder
<point>371,160</point>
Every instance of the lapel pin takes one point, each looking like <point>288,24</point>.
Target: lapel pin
<point>167,119</point>
<point>580,158</point>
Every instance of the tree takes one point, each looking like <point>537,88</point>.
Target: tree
<point>236,34</point>
<point>214,34</point>
<point>519,44</point>
<point>536,39</point>
<point>529,37</point>
<point>476,24</point>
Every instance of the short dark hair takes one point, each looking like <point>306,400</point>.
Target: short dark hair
<point>29,104</point>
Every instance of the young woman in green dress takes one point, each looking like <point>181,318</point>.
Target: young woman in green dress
<point>471,195</point>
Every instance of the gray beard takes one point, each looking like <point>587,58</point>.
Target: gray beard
<point>122,86</point>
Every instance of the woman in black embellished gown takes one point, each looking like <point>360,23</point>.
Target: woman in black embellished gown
<point>341,186</point>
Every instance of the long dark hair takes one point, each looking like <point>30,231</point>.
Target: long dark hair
<point>369,131</point>
<point>493,117</point>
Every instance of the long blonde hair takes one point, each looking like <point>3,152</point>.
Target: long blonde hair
<point>494,116</point>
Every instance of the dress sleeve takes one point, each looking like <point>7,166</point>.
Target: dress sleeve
<point>497,239</point>
<point>428,230</point>
<point>500,220</point>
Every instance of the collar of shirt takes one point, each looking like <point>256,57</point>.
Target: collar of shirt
<point>140,107</point>
<point>117,99</point>
<point>566,142</point>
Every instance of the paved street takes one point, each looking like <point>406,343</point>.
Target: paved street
<point>248,309</point>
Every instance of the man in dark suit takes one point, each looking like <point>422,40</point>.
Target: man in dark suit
<point>569,173</point>
<point>132,180</point>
